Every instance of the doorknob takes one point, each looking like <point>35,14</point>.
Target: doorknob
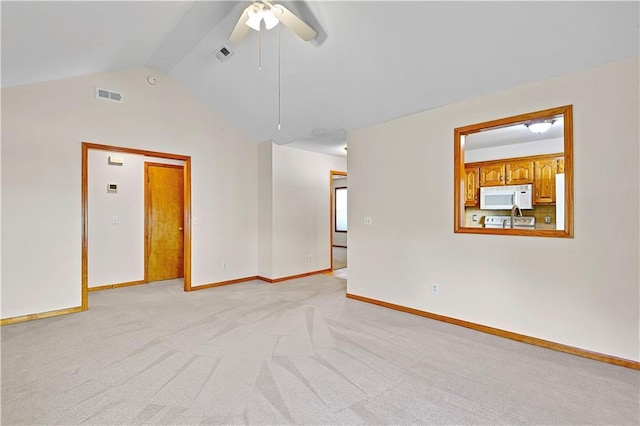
<point>180,228</point>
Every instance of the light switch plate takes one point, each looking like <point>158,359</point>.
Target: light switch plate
<point>368,220</point>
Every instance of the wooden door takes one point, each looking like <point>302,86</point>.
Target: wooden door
<point>164,220</point>
<point>492,175</point>
<point>471,186</point>
<point>519,172</point>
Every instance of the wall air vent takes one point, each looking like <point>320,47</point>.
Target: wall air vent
<point>108,95</point>
<point>223,53</point>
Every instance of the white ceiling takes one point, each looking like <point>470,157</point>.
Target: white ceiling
<point>509,135</point>
<point>372,61</point>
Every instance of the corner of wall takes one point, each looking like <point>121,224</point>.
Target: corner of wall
<point>265,209</point>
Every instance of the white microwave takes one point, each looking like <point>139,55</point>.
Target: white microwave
<point>505,197</point>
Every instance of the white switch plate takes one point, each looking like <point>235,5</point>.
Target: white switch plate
<point>195,221</point>
<point>115,220</point>
<point>368,220</point>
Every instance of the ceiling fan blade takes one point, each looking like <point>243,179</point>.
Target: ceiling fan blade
<point>295,24</point>
<point>241,30</point>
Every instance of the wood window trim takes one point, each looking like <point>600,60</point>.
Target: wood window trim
<point>335,211</point>
<point>332,173</point>
<point>459,173</point>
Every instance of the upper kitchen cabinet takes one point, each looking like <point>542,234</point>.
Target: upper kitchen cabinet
<point>545,179</point>
<point>492,175</point>
<point>471,188</point>
<point>517,172</point>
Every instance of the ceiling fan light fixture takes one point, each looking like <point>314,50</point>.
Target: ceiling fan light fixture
<point>270,19</point>
<point>255,14</point>
<point>540,126</point>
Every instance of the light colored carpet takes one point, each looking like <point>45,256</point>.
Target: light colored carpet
<point>339,257</point>
<point>341,273</point>
<point>297,352</point>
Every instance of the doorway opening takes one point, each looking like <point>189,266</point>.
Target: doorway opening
<point>180,183</point>
<point>338,228</point>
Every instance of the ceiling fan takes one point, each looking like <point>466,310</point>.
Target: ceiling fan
<point>272,14</point>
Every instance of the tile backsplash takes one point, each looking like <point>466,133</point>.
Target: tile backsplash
<point>539,212</point>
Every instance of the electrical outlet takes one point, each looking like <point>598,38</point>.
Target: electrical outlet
<point>434,289</point>
<point>368,220</point>
<point>225,265</point>
<point>309,258</point>
<point>547,219</point>
<point>474,218</point>
<point>115,220</point>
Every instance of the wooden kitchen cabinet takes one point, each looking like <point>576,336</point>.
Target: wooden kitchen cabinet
<point>492,174</point>
<point>539,170</point>
<point>544,188</point>
<point>507,173</point>
<point>471,187</point>
<point>519,172</point>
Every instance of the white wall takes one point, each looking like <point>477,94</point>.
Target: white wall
<point>43,126</point>
<point>300,222</point>
<point>265,209</point>
<point>116,251</point>
<point>301,210</point>
<point>582,292</point>
<point>523,149</point>
<point>339,238</point>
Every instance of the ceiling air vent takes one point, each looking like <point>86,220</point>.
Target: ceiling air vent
<point>223,53</point>
<point>108,95</point>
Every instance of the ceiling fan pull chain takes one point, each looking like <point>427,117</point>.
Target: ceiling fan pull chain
<point>279,84</point>
<point>259,50</point>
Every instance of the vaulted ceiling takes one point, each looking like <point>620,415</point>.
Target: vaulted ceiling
<point>371,62</point>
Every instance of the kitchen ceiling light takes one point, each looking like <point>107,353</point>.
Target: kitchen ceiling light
<point>540,126</point>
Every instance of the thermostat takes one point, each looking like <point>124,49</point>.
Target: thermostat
<point>112,187</point>
<point>115,161</point>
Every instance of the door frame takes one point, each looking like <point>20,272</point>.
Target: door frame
<point>332,173</point>
<point>147,164</point>
<point>86,146</point>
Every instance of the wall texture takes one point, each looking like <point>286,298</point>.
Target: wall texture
<point>548,146</point>
<point>116,251</point>
<point>265,209</point>
<point>582,292</point>
<point>43,126</point>
<point>300,220</point>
